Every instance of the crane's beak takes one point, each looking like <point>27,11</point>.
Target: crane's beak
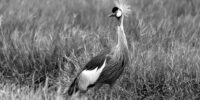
<point>111,15</point>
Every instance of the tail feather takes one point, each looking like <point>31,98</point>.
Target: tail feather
<point>73,87</point>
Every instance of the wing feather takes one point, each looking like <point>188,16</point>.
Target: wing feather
<point>97,61</point>
<point>112,71</point>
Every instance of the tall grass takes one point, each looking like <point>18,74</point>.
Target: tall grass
<point>48,39</point>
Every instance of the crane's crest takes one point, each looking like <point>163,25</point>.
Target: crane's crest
<point>123,5</point>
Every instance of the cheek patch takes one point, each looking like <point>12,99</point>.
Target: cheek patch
<point>119,13</point>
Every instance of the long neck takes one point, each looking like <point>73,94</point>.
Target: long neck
<point>122,42</point>
<point>121,47</point>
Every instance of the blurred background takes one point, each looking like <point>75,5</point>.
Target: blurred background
<point>47,42</point>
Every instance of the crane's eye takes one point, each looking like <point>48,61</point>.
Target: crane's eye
<point>119,13</point>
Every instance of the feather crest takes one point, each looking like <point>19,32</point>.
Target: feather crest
<point>123,5</point>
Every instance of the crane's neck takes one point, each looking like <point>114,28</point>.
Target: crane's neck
<point>121,49</point>
<point>122,42</point>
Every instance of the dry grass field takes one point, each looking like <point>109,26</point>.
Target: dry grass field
<point>45,43</point>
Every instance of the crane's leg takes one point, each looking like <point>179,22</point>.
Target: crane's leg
<point>96,88</point>
<point>110,91</point>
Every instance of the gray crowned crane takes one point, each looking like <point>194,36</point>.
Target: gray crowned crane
<point>107,66</point>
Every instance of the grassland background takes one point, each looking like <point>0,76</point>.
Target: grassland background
<point>45,43</point>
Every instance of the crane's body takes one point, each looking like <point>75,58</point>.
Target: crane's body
<point>107,66</point>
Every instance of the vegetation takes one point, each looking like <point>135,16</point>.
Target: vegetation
<point>45,43</point>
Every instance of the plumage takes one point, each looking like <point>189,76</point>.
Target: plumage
<point>106,67</point>
<point>114,68</point>
<point>96,61</point>
<point>123,5</point>
<point>73,88</point>
<point>89,77</point>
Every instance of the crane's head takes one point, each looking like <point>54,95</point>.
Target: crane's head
<point>116,12</point>
<point>121,9</point>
